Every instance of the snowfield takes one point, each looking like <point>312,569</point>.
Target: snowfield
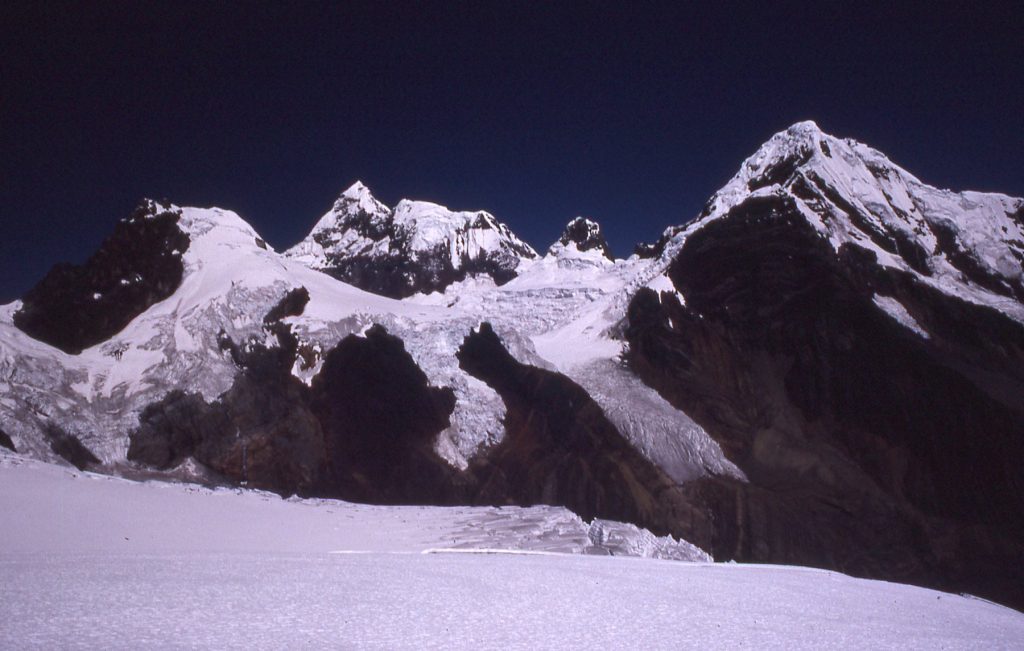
<point>91,561</point>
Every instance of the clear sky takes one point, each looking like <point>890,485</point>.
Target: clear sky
<point>630,113</point>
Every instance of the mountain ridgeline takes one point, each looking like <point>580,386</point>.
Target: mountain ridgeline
<point>825,367</point>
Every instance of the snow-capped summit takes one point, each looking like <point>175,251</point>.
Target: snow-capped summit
<point>356,200</point>
<point>970,244</point>
<point>416,247</point>
<point>354,225</point>
<point>582,236</point>
<point>357,191</point>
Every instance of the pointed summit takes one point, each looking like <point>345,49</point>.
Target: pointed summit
<point>853,195</point>
<point>582,235</point>
<point>356,190</point>
<point>354,201</point>
<point>358,196</point>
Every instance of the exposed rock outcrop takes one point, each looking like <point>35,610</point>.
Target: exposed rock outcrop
<point>5,441</point>
<point>380,419</point>
<point>582,235</point>
<point>68,447</point>
<point>77,306</point>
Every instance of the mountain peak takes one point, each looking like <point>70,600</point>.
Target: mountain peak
<point>356,199</point>
<point>776,163</point>
<point>356,191</point>
<point>786,151</point>
<point>582,235</point>
<point>417,246</point>
<point>968,243</point>
<point>805,128</point>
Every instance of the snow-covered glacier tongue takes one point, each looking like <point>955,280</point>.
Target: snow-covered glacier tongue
<point>568,305</point>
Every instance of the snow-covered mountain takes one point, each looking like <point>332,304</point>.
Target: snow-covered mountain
<point>853,340</point>
<point>823,368</point>
<point>969,244</point>
<point>416,247</point>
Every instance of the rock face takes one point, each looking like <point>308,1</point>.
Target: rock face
<point>70,448</point>
<point>380,419</point>
<point>875,406</point>
<point>415,247</point>
<point>646,250</point>
<point>77,306</point>
<point>582,234</point>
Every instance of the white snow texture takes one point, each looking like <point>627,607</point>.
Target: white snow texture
<point>92,561</point>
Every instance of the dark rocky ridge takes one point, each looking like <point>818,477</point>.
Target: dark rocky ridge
<point>586,235</point>
<point>77,306</point>
<point>646,250</point>
<point>398,276</point>
<point>869,449</point>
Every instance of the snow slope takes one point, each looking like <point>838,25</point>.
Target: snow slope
<point>49,508</point>
<point>93,561</point>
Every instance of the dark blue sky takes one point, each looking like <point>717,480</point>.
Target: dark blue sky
<point>628,113</point>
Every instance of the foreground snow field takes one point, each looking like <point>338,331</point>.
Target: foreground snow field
<point>99,562</point>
